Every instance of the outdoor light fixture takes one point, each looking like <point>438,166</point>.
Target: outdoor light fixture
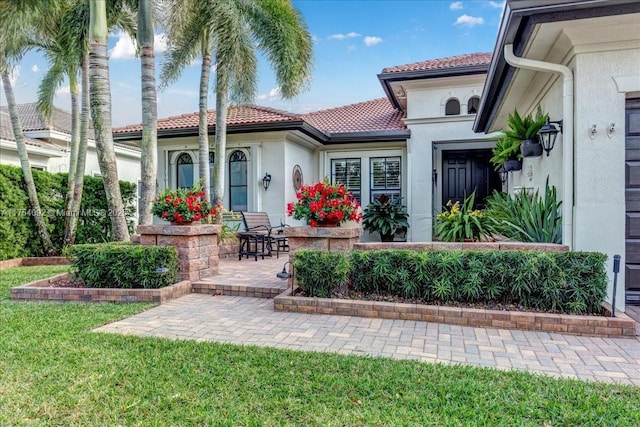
<point>161,270</point>
<point>504,175</point>
<point>284,274</point>
<point>266,181</point>
<point>548,134</point>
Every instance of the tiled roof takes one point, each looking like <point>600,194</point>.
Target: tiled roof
<point>370,116</point>
<point>467,60</point>
<point>32,120</point>
<point>6,133</point>
<point>237,115</point>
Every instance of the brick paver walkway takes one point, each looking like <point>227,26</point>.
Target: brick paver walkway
<point>252,321</point>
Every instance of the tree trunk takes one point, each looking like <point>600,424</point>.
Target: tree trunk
<point>149,143</point>
<point>221,136</point>
<point>41,225</point>
<point>73,159</point>
<point>100,92</point>
<point>82,155</point>
<point>203,126</point>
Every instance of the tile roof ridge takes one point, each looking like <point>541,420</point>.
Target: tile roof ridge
<point>269,110</point>
<point>341,107</point>
<point>395,68</point>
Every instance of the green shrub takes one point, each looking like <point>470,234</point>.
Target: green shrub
<point>319,272</point>
<point>574,282</point>
<point>526,218</point>
<point>18,234</point>
<point>121,265</point>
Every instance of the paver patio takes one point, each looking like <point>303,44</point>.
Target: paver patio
<point>252,321</point>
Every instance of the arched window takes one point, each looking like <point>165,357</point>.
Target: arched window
<point>473,105</point>
<point>238,181</point>
<point>452,108</point>
<point>212,158</point>
<point>185,170</point>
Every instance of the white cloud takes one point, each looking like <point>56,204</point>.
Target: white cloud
<point>273,94</point>
<point>372,40</point>
<point>456,5</point>
<point>497,4</point>
<point>351,48</point>
<point>125,47</point>
<point>64,90</point>
<point>350,35</point>
<point>35,68</point>
<point>469,21</point>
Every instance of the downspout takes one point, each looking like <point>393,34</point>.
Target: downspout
<point>567,132</point>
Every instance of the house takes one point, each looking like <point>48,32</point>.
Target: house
<point>396,145</point>
<point>579,60</point>
<point>48,144</point>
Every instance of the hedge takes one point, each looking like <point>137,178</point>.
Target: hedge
<point>124,266</point>
<point>574,282</point>
<point>18,235</point>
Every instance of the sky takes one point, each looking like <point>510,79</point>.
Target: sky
<point>353,40</point>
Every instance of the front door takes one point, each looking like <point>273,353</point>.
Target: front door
<point>632,200</point>
<point>465,171</point>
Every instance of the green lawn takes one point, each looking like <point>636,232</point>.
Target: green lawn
<point>54,371</point>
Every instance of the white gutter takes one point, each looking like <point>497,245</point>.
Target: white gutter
<point>567,132</point>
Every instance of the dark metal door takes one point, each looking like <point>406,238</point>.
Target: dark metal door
<point>632,200</point>
<point>465,171</point>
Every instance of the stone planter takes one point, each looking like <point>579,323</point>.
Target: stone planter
<point>513,165</point>
<point>197,246</point>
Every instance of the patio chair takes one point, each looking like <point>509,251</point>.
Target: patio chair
<point>258,228</point>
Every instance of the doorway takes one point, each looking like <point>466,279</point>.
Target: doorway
<point>632,202</point>
<point>464,171</point>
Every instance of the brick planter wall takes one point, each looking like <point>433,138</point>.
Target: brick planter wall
<point>197,246</point>
<point>41,290</point>
<point>467,246</point>
<point>33,261</point>
<point>620,326</point>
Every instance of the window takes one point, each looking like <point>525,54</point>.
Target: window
<point>452,108</point>
<point>385,177</point>
<point>238,181</point>
<point>212,158</point>
<point>347,172</point>
<point>38,168</point>
<point>473,105</point>
<point>185,171</point>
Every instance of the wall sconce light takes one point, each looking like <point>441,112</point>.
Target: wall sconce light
<point>266,181</point>
<point>611,130</point>
<point>504,175</point>
<point>593,131</point>
<point>548,134</point>
<point>284,274</point>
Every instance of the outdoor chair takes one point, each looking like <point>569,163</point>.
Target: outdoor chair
<point>260,236</point>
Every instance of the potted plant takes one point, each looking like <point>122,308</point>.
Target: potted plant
<point>386,217</point>
<point>325,205</point>
<point>183,206</point>
<point>506,154</point>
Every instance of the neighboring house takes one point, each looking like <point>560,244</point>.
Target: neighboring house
<point>48,144</point>
<point>580,61</point>
<point>416,144</point>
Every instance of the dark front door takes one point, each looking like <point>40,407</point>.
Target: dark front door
<point>632,200</point>
<point>465,171</point>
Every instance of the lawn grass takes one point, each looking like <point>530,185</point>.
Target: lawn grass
<point>54,371</point>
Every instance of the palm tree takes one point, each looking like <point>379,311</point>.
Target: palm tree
<point>149,143</point>
<point>230,28</point>
<point>100,98</point>
<point>15,38</point>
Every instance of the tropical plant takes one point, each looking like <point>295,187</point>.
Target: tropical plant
<point>519,129</point>
<point>323,202</point>
<point>526,217</point>
<point>234,29</point>
<point>459,222</point>
<point>184,205</point>
<point>385,216</point>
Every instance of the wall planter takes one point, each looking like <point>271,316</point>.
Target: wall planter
<point>531,148</point>
<point>513,165</point>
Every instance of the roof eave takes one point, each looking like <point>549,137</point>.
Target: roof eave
<point>373,136</point>
<point>517,26</point>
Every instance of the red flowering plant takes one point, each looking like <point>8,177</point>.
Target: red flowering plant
<point>183,206</point>
<point>324,202</point>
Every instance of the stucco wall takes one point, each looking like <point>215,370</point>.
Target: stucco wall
<point>308,162</point>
